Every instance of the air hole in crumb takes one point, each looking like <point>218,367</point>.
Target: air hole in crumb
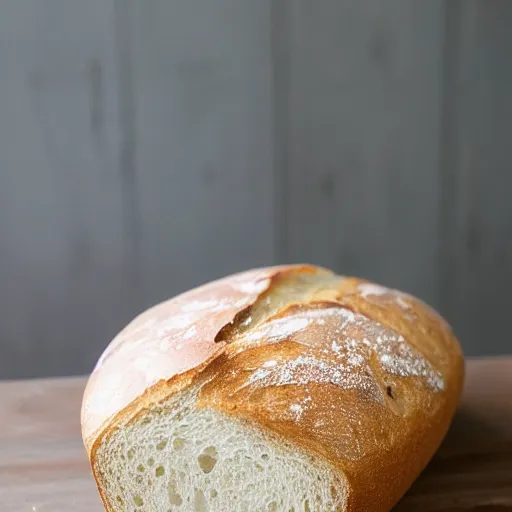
<point>306,506</point>
<point>272,507</point>
<point>151,461</point>
<point>208,459</point>
<point>178,443</point>
<point>259,467</point>
<point>264,456</point>
<point>174,497</point>
<point>160,471</point>
<point>138,501</point>
<point>138,479</point>
<point>161,445</point>
<point>130,453</point>
<point>200,503</point>
<point>119,500</point>
<point>140,468</point>
<point>389,392</point>
<point>213,493</point>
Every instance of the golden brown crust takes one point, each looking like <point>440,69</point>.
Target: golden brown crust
<point>365,377</point>
<point>164,341</point>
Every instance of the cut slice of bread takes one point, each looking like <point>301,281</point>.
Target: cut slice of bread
<point>183,458</point>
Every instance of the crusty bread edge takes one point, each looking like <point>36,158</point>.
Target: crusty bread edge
<point>164,389</point>
<point>153,395</point>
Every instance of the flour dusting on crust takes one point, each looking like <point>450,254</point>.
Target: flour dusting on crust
<point>307,369</point>
<point>354,338</point>
<point>375,290</point>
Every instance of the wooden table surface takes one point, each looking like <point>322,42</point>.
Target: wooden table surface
<point>43,466</point>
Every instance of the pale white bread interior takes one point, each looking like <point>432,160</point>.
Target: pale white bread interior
<point>287,388</point>
<point>183,458</point>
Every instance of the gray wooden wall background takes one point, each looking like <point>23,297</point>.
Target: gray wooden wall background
<point>146,147</point>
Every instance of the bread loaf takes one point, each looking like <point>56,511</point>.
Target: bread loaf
<point>279,389</point>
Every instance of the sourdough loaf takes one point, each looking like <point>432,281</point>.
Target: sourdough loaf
<point>278,389</point>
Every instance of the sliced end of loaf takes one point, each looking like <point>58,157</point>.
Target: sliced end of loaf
<point>181,458</point>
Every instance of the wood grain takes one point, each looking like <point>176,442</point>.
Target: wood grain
<point>148,147</point>
<point>363,146</point>
<point>477,178</point>
<point>43,466</point>
<point>136,154</point>
<point>65,241</point>
<point>202,85</point>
